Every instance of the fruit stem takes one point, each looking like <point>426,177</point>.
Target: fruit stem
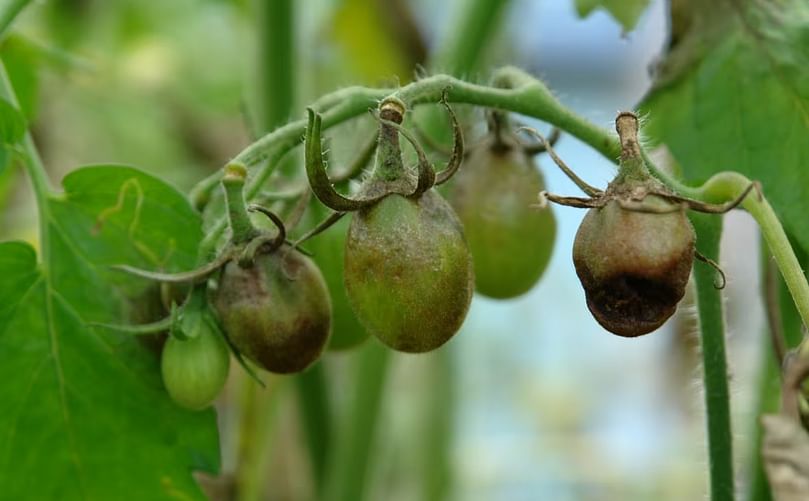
<point>632,164</point>
<point>389,166</point>
<point>242,230</point>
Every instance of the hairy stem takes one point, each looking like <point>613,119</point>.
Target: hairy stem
<point>729,185</point>
<point>241,228</point>
<point>527,96</point>
<point>714,362</point>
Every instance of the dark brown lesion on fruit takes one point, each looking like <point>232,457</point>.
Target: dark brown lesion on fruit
<point>635,302</point>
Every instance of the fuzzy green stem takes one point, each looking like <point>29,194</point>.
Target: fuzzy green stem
<point>788,322</point>
<point>241,228</point>
<point>527,96</point>
<point>727,186</point>
<point>714,362</point>
<point>34,168</point>
<point>389,165</point>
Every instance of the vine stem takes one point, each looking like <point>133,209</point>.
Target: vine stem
<point>526,95</point>
<point>723,187</point>
<point>32,163</point>
<point>729,185</point>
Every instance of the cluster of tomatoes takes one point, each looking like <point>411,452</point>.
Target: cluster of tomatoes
<point>411,259</point>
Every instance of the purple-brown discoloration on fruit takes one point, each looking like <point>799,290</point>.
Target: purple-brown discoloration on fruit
<point>276,312</point>
<point>634,266</point>
<point>408,273</point>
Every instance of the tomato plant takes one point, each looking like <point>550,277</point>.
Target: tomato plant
<point>124,298</point>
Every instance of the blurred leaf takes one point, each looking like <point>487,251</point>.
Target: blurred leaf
<point>371,50</point>
<point>85,413</point>
<point>742,103</point>
<point>22,65</point>
<point>626,12</point>
<point>9,10</point>
<point>12,124</point>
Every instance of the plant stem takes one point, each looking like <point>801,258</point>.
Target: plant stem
<point>714,363</point>
<point>259,411</point>
<point>528,96</point>
<point>355,442</point>
<point>769,391</point>
<point>438,430</point>
<point>312,392</point>
<point>241,228</point>
<point>276,97</point>
<point>729,185</point>
<point>276,62</point>
<point>34,168</point>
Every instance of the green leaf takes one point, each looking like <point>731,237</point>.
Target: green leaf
<point>12,124</point>
<point>85,415</point>
<point>742,101</point>
<point>626,12</point>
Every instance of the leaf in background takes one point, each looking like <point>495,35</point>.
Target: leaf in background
<point>742,101</point>
<point>85,415</point>
<point>371,48</point>
<point>22,64</point>
<point>626,12</point>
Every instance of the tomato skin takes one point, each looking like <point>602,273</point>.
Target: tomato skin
<point>195,369</point>
<point>634,266</point>
<point>276,312</point>
<point>408,272</point>
<point>511,242</point>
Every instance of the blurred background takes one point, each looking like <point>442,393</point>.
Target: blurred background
<point>532,399</point>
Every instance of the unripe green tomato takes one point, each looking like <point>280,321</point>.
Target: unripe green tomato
<point>511,242</point>
<point>634,266</point>
<point>276,312</point>
<point>408,272</point>
<point>195,369</point>
<point>328,249</point>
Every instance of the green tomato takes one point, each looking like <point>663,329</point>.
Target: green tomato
<point>195,369</point>
<point>408,272</point>
<point>276,312</point>
<point>510,241</point>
